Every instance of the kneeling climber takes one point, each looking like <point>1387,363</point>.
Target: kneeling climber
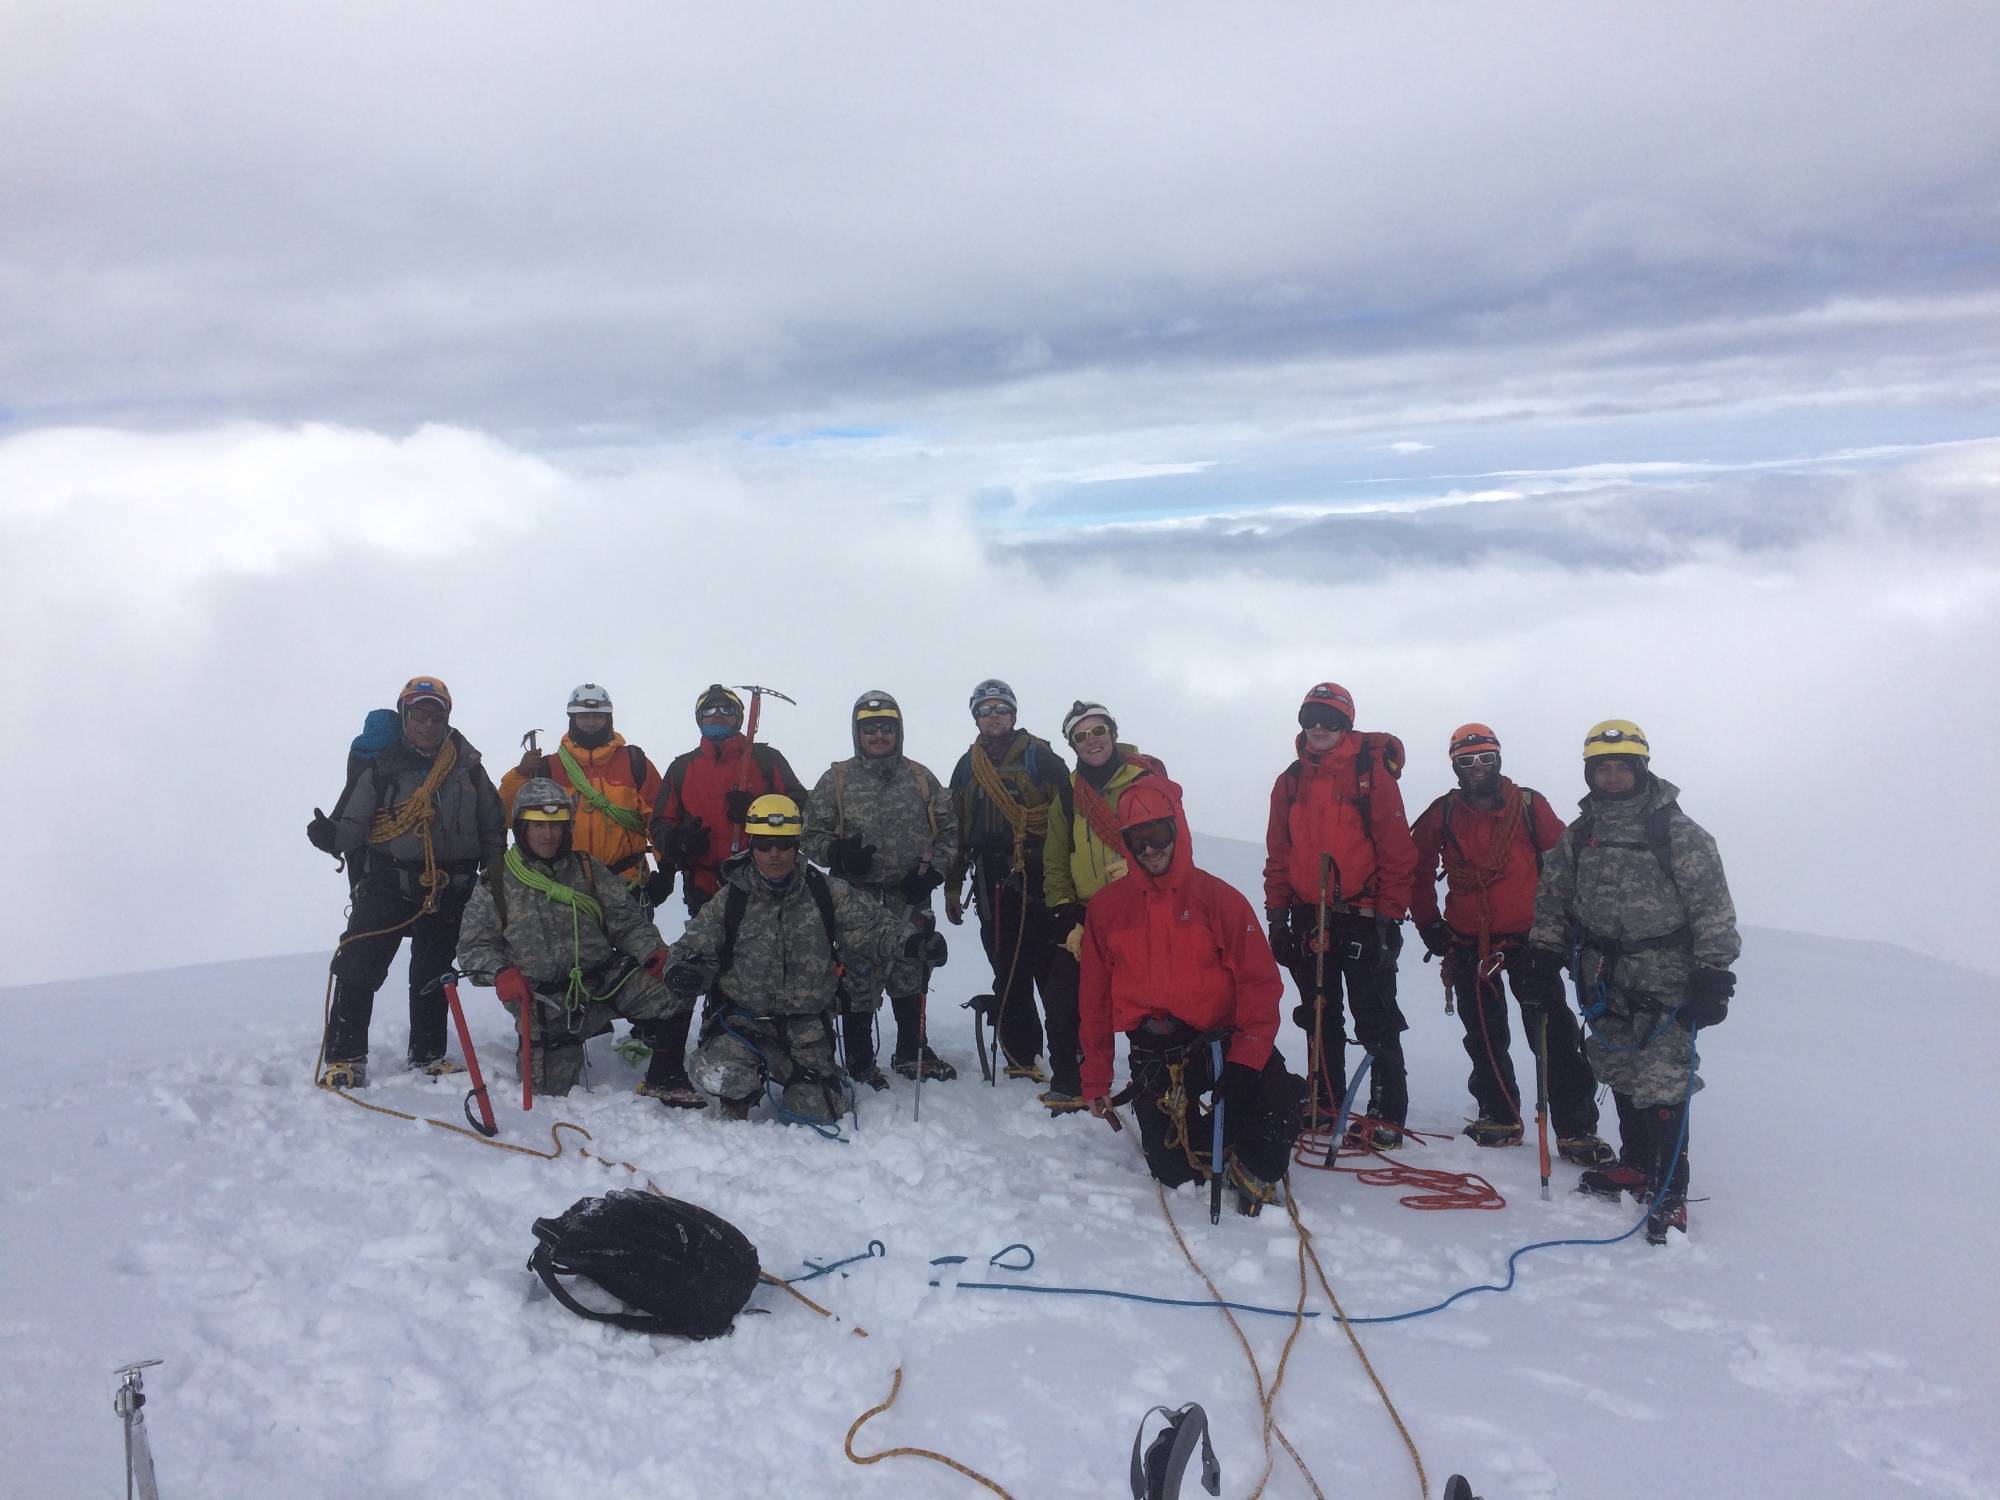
<point>768,953</point>
<point>1176,959</point>
<point>561,935</point>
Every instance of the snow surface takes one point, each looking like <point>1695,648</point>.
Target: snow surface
<point>343,1308</point>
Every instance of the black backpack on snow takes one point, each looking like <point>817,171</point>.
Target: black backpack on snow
<point>687,1271</point>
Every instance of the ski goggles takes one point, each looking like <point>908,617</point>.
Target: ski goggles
<point>1150,838</point>
<point>765,843</point>
<point>1094,732</point>
<point>992,710</point>
<point>590,705</point>
<point>720,711</point>
<point>1471,758</point>
<point>1321,716</point>
<point>877,726</point>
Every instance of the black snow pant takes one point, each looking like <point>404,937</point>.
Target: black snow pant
<point>669,1037</point>
<point>1017,933</point>
<point>1482,1010</point>
<point>1261,1137</point>
<point>385,897</point>
<point>1361,964</point>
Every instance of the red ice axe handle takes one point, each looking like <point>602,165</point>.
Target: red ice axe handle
<point>484,1124</point>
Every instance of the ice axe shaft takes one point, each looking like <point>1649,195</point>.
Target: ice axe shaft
<point>749,765</point>
<point>484,1124</point>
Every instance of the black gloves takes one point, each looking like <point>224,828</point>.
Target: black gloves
<point>926,947</point>
<point>1437,937</point>
<point>320,831</point>
<point>684,979</point>
<point>1284,942</point>
<point>686,841</point>
<point>849,858</point>
<point>1708,998</point>
<point>918,885</point>
<point>736,805</point>
<point>1237,1087</point>
<point>1065,919</point>
<point>1538,978</point>
<point>659,886</point>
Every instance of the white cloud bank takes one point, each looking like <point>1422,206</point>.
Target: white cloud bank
<point>197,624</point>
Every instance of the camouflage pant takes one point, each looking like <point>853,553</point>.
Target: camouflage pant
<point>739,1051</point>
<point>559,1036</point>
<point>1642,1054</point>
<point>901,978</point>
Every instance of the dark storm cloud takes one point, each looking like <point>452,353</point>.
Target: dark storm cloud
<point>643,218</point>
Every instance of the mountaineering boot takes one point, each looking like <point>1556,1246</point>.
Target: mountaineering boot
<point>346,1073</point>
<point>907,1060</point>
<point>435,1067</point>
<point>666,1069</point>
<point>1586,1151</point>
<point>1061,1103</point>
<point>1252,1191</point>
<point>1365,1130</point>
<point>857,1039</point>
<point>1487,1132</point>
<point>1669,1211</point>
<point>1627,1174</point>
<point>1669,1181</point>
<point>1612,1183</point>
<point>1028,1071</point>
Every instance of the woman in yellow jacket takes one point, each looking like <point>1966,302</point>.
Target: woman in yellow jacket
<point>1084,851</point>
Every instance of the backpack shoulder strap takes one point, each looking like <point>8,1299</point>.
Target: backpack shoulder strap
<point>822,895</point>
<point>734,902</point>
<point>635,758</point>
<point>1660,835</point>
<point>1528,796</point>
<point>924,791</point>
<point>839,797</point>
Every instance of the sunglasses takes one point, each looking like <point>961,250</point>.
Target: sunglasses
<point>1095,732</point>
<point>1150,838</point>
<point>878,726</point>
<point>1318,716</point>
<point>992,710</point>
<point>427,713</point>
<point>1476,758</point>
<point>766,843</point>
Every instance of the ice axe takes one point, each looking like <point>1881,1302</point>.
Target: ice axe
<point>756,693</point>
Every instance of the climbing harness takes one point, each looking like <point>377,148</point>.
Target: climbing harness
<point>1157,1476</point>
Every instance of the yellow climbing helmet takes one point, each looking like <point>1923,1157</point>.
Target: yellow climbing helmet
<point>774,816</point>
<point>1616,737</point>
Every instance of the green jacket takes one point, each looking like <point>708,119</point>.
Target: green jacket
<point>1076,863</point>
<point>539,936</point>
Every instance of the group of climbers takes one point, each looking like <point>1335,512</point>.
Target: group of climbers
<point>794,964</point>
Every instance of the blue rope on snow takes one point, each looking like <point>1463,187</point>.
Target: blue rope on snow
<point>875,1248</point>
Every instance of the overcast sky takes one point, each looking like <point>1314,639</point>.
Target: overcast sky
<point>1532,364</point>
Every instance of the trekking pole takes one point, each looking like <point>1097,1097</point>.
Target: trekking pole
<point>484,1124</point>
<point>1215,1144</point>
<point>1319,993</point>
<point>129,1403</point>
<point>1542,1097</point>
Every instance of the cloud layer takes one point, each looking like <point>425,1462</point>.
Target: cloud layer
<point>1810,696</point>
